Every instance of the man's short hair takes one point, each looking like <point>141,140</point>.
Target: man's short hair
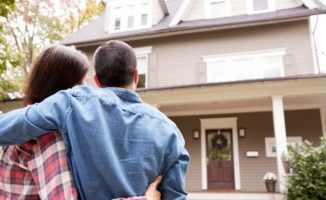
<point>115,64</point>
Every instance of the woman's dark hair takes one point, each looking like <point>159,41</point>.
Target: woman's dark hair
<point>56,68</point>
<point>115,63</point>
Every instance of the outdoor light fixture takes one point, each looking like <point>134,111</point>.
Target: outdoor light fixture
<point>242,132</point>
<point>196,134</point>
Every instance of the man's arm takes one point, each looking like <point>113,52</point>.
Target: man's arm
<point>176,163</point>
<point>21,125</point>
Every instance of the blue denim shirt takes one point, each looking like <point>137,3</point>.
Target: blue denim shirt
<point>116,144</point>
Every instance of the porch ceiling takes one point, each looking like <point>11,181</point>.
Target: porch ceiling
<point>242,106</point>
<point>242,97</point>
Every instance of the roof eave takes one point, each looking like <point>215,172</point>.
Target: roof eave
<point>303,77</point>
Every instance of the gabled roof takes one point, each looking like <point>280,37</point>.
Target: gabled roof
<point>93,33</point>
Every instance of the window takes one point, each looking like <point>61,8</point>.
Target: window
<point>117,18</point>
<point>217,8</point>
<point>259,6</point>
<point>144,14</point>
<point>117,24</point>
<point>144,20</point>
<point>130,22</point>
<point>142,55</point>
<point>142,63</point>
<point>130,15</point>
<point>258,65</point>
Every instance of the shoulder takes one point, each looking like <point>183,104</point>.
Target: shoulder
<point>156,114</point>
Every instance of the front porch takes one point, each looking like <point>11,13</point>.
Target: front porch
<point>234,196</point>
<point>271,111</point>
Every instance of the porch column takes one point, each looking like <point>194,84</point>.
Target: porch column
<point>280,137</point>
<point>323,119</point>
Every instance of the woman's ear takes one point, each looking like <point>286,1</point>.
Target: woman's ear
<point>98,84</point>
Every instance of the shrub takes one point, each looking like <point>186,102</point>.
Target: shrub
<point>308,178</point>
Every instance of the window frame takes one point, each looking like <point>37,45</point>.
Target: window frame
<point>124,14</point>
<point>256,55</point>
<point>208,4</point>
<point>144,52</point>
<point>250,7</point>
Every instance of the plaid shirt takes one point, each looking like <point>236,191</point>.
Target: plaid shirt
<point>38,169</point>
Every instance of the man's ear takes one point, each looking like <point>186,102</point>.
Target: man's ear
<point>136,76</point>
<point>98,84</point>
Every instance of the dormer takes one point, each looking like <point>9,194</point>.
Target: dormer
<point>207,9</point>
<point>130,15</point>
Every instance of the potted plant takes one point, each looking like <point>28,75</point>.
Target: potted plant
<point>270,181</point>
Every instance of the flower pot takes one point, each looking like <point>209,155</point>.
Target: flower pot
<point>270,186</point>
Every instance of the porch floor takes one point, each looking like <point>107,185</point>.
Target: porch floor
<point>234,196</point>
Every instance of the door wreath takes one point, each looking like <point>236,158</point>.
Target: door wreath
<point>219,141</point>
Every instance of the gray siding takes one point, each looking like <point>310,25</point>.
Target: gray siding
<point>178,60</point>
<point>258,126</point>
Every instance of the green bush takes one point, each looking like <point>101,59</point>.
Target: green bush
<point>308,166</point>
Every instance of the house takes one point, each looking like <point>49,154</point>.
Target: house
<point>238,77</point>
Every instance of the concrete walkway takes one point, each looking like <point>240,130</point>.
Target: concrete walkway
<point>235,196</point>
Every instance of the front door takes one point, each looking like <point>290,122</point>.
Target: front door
<point>219,159</point>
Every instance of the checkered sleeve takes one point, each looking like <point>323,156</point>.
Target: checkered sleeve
<point>50,170</point>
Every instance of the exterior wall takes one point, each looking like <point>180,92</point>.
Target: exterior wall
<point>258,126</point>
<point>177,60</point>
<point>157,13</point>
<point>7,106</point>
<point>238,7</point>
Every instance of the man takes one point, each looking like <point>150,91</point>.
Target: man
<point>116,144</point>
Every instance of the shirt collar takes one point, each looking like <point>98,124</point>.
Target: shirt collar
<point>125,94</point>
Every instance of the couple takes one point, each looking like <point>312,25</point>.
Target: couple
<point>115,144</point>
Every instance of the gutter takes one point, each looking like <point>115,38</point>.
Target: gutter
<point>289,78</point>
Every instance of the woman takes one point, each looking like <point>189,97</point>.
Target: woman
<point>38,169</point>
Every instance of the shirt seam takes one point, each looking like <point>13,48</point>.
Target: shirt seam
<point>64,126</point>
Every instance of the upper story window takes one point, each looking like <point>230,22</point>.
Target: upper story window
<point>245,66</point>
<point>217,8</point>
<point>260,6</point>
<point>142,55</point>
<point>130,15</point>
<point>117,18</point>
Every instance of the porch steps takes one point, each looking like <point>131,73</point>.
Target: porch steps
<point>235,196</point>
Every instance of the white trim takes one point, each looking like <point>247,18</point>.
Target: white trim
<point>207,8</point>
<point>143,50</point>
<point>220,123</point>
<point>250,7</point>
<point>280,137</point>
<point>323,120</point>
<point>310,4</point>
<point>181,12</point>
<point>245,54</point>
<point>236,110</point>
